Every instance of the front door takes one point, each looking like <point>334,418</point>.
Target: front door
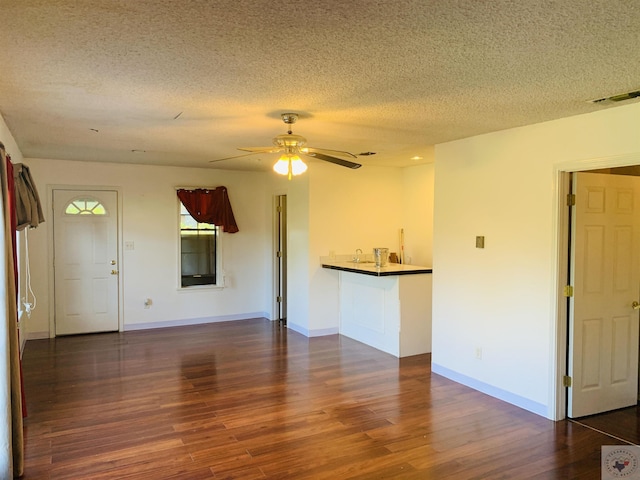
<point>603,325</point>
<point>85,261</point>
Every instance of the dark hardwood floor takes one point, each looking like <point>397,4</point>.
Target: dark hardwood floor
<point>252,400</point>
<point>623,424</point>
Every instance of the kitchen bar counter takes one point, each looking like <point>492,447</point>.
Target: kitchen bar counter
<point>388,308</point>
<point>369,268</point>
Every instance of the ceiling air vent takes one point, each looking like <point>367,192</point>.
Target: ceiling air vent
<point>618,98</point>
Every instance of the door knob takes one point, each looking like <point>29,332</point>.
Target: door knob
<point>635,305</point>
<point>114,272</point>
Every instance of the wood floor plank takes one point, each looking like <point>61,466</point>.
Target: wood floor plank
<point>252,400</point>
<point>623,423</point>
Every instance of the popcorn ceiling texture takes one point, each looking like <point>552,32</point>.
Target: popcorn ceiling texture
<point>393,76</point>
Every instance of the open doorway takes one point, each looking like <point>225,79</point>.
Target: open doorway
<point>280,260</point>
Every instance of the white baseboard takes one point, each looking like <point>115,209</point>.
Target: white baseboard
<point>37,335</point>
<point>312,333</point>
<point>194,321</point>
<point>202,320</point>
<point>492,391</point>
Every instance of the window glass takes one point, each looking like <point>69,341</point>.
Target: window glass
<point>85,206</point>
<point>198,251</point>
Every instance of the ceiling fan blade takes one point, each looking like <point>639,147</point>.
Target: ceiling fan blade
<point>337,161</point>
<point>230,158</point>
<point>253,150</point>
<point>328,152</point>
<point>261,149</point>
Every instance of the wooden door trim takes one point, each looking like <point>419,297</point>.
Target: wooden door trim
<point>275,261</point>
<point>50,249</point>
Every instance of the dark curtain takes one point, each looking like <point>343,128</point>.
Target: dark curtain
<point>21,181</point>
<point>210,206</point>
<point>11,437</point>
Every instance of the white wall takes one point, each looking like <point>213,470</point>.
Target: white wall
<point>337,212</point>
<point>342,210</point>
<point>501,299</point>
<point>348,209</point>
<point>298,254</point>
<point>10,145</point>
<point>149,220</point>
<point>417,214</point>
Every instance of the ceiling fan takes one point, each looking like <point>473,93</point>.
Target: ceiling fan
<point>292,147</point>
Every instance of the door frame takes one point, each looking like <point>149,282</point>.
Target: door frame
<point>50,250</point>
<point>276,262</point>
<point>560,262</point>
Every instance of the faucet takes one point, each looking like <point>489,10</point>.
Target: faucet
<point>357,257</point>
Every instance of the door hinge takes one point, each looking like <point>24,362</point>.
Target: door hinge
<point>571,199</point>
<point>566,381</point>
<point>279,254</point>
<point>279,299</point>
<point>278,209</point>
<point>568,291</point>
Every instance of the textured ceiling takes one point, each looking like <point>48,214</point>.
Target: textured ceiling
<point>183,82</point>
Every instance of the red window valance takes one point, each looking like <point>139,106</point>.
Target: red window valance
<point>210,206</point>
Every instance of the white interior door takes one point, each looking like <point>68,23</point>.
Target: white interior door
<point>85,261</point>
<point>603,325</point>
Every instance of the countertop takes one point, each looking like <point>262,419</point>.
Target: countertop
<point>369,268</point>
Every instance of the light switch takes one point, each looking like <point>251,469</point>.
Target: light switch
<point>480,242</point>
<point>129,246</point>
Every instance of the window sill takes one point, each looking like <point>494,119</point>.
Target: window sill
<point>199,288</point>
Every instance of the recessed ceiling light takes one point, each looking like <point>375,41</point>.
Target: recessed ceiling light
<point>416,158</point>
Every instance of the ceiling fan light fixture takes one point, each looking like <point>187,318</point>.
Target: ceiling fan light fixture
<point>298,166</point>
<point>289,140</point>
<point>293,146</point>
<point>290,164</point>
<point>281,166</point>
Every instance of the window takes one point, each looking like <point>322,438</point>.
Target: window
<point>198,251</point>
<point>85,206</point>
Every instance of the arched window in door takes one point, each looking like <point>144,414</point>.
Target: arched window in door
<point>85,206</point>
